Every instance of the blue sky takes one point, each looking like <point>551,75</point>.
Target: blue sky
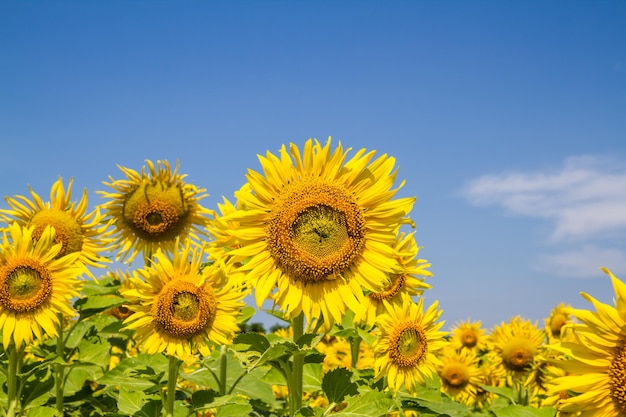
<point>507,119</point>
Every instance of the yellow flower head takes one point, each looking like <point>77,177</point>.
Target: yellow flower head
<point>460,375</point>
<point>179,307</point>
<point>317,228</point>
<point>515,345</point>
<point>75,229</point>
<point>596,361</point>
<point>150,210</point>
<point>468,335</point>
<point>35,284</point>
<point>408,280</point>
<point>406,351</point>
<point>559,317</point>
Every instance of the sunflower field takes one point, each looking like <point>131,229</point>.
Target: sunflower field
<point>136,307</point>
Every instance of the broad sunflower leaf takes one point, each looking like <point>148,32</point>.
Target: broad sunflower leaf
<point>337,385</point>
<point>43,412</point>
<point>524,411</point>
<point>130,402</point>
<point>371,404</point>
<point>250,341</point>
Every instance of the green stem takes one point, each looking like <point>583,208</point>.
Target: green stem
<point>12,371</point>
<point>172,377</point>
<point>295,391</point>
<point>223,369</point>
<point>59,369</point>
<point>355,348</point>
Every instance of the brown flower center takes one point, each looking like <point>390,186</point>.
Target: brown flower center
<point>156,211</point>
<point>617,382</point>
<point>315,231</point>
<point>454,374</point>
<point>67,231</point>
<point>556,323</point>
<point>183,310</point>
<point>24,285</point>
<point>392,288</point>
<point>468,338</point>
<point>517,354</point>
<point>407,345</point>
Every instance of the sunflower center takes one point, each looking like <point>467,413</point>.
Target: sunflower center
<point>156,211</point>
<point>183,310</point>
<point>454,375</point>
<point>24,286</point>
<point>407,345</point>
<point>392,287</point>
<point>557,322</point>
<point>518,354</point>
<point>617,382</point>
<point>67,231</point>
<point>315,231</point>
<point>469,339</point>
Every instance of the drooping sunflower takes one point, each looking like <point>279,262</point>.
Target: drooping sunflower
<point>514,346</point>
<point>317,228</point>
<point>180,307</point>
<point>406,350</point>
<point>596,361</point>
<point>460,375</point>
<point>75,229</point>
<point>35,284</point>
<point>469,335</point>
<point>408,280</point>
<point>150,209</point>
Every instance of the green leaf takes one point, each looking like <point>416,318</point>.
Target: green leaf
<point>246,314</point>
<point>78,375</point>
<point>309,340</point>
<point>231,410</point>
<point>506,392</point>
<point>43,412</point>
<point>524,411</point>
<point>94,350</point>
<point>278,351</point>
<point>125,382</point>
<point>95,303</point>
<point>130,402</point>
<point>370,404</point>
<point>38,390</point>
<point>337,385</point>
<point>312,377</point>
<point>251,341</point>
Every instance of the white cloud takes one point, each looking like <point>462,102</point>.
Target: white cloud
<point>585,198</point>
<point>584,262</point>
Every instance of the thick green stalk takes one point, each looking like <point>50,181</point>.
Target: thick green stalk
<point>223,369</point>
<point>59,369</point>
<point>295,392</point>
<point>355,348</point>
<point>170,394</point>
<point>12,371</point>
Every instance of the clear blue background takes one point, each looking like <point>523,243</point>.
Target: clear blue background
<point>507,119</point>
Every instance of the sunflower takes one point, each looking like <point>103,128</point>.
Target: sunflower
<point>409,280</point>
<point>468,335</point>
<point>150,210</point>
<point>75,229</point>
<point>596,362</point>
<point>406,350</point>
<point>179,307</point>
<point>460,374</point>
<point>559,317</point>
<point>515,345</point>
<point>316,229</point>
<point>36,285</point>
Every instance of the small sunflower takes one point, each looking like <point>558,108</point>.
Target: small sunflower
<point>515,345</point>
<point>596,362</point>
<point>460,375</point>
<point>179,307</point>
<point>75,229</point>
<point>408,280</point>
<point>559,317</point>
<point>36,285</point>
<point>469,335</point>
<point>150,210</point>
<point>317,229</point>
<point>406,350</point>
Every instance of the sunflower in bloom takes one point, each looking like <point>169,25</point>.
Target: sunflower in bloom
<point>469,335</point>
<point>180,307</point>
<point>408,280</point>
<point>36,285</point>
<point>559,317</point>
<point>515,345</point>
<point>150,209</point>
<point>75,229</point>
<point>318,228</point>
<point>460,375</point>
<point>596,361</point>
<point>406,350</point>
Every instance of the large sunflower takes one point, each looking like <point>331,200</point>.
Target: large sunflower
<point>75,229</point>
<point>319,227</point>
<point>150,210</point>
<point>409,280</point>
<point>513,349</point>
<point>179,307</point>
<point>596,361</point>
<point>35,284</point>
<point>406,348</point>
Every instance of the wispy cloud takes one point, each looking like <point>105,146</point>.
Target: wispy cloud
<point>584,262</point>
<point>585,197</point>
